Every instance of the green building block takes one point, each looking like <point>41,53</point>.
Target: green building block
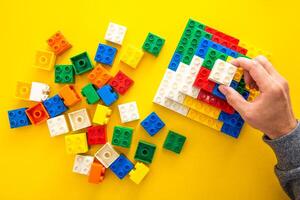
<point>145,152</point>
<point>122,136</point>
<point>174,142</point>
<point>64,74</point>
<point>82,63</point>
<point>211,56</point>
<point>241,86</point>
<point>90,93</point>
<point>153,44</point>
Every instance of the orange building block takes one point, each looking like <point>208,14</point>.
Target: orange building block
<point>99,76</point>
<point>69,95</point>
<point>58,43</point>
<point>37,114</point>
<point>97,172</point>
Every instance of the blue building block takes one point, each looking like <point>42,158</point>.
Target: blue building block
<point>219,94</point>
<point>234,119</point>
<point>18,118</point>
<point>175,61</point>
<point>105,54</point>
<point>231,130</point>
<point>55,106</point>
<point>245,94</point>
<point>107,94</point>
<point>121,166</point>
<point>152,124</point>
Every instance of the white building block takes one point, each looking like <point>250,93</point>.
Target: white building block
<point>82,164</point>
<point>115,33</point>
<point>39,91</point>
<point>79,119</point>
<point>222,72</point>
<point>57,125</point>
<point>189,78</point>
<point>128,112</point>
<point>107,155</point>
<point>160,97</point>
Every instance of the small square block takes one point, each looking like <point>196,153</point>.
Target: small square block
<point>90,93</point>
<point>102,115</point>
<point>81,63</point>
<point>99,76</point>
<point>39,92</point>
<point>132,56</point>
<point>121,166</point>
<point>23,90</point>
<point>138,173</point>
<point>76,143</point>
<point>121,83</point>
<point>222,72</point>
<point>128,112</point>
<point>79,119</point>
<point>69,95</point>
<point>174,142</point>
<point>57,126</point>
<point>175,61</point>
<point>96,135</point>
<point>18,118</point>
<point>82,164</point>
<point>44,60</point>
<point>106,155</point>
<point>97,173</point>
<point>153,44</point>
<point>107,95</point>
<point>37,114</point>
<point>64,74</point>
<point>115,33</point>
<point>122,136</point>
<point>58,43</point>
<point>152,124</point>
<point>55,106</point>
<point>105,54</point>
<point>145,152</point>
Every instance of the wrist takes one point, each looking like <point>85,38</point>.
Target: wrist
<point>286,129</point>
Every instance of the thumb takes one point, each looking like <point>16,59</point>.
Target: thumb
<point>234,99</point>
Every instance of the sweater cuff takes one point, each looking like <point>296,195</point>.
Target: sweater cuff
<point>287,149</point>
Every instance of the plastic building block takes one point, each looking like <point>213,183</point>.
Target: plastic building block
<point>132,56</point>
<point>138,173</point>
<point>253,93</point>
<point>231,130</point>
<point>58,43</point>
<point>238,74</point>
<point>245,94</point>
<point>69,95</point>
<point>121,83</point>
<point>215,101</point>
<point>79,119</point>
<point>174,142</point>
<point>219,94</point>
<point>205,120</point>
<point>152,124</point>
<point>105,54</point>
<point>55,106</point>
<point>96,135</point>
<point>37,114</point>
<point>82,164</point>
<point>153,44</point>
<point>99,76</point>
<point>39,92</point>
<point>211,56</point>
<point>44,60</point>
<point>202,107</point>
<point>223,35</point>
<point>234,119</point>
<point>102,115</point>
<point>17,118</point>
<point>122,136</point>
<point>106,155</point>
<point>242,50</point>
<point>144,152</point>
<point>202,81</point>
<point>81,63</point>
<point>76,143</point>
<point>222,72</point>
<point>90,93</point>
<point>121,166</point>
<point>107,95</point>
<point>64,74</point>
<point>97,172</point>
<point>57,126</point>
<point>128,112</point>
<point>23,90</point>
<point>175,61</point>
<point>115,33</point>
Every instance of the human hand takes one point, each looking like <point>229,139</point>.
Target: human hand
<point>271,112</point>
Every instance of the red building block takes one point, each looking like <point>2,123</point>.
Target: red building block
<point>202,81</point>
<point>58,43</point>
<point>221,41</point>
<point>210,30</point>
<point>121,83</point>
<point>215,101</point>
<point>37,114</point>
<point>96,135</point>
<point>242,50</point>
<point>224,36</point>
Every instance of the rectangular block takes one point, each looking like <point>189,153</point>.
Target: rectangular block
<point>205,120</point>
<point>107,95</point>
<point>90,93</point>
<point>97,172</point>
<point>211,57</point>
<point>102,115</point>
<point>69,95</point>
<point>138,173</point>
<point>222,72</point>
<point>202,82</point>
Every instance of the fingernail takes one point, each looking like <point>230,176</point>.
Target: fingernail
<point>223,88</point>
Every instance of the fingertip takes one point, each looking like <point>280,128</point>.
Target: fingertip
<point>223,89</point>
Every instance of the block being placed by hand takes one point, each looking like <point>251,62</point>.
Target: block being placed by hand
<point>222,72</point>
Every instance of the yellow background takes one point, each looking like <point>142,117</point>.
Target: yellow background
<point>211,165</point>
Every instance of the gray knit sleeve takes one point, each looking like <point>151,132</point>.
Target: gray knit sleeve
<point>287,150</point>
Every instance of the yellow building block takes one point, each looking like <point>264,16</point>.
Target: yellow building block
<point>138,173</point>
<point>253,93</point>
<point>102,115</point>
<point>238,74</point>
<point>23,90</point>
<point>44,60</point>
<point>76,143</point>
<point>202,107</point>
<point>132,56</point>
<point>205,120</point>
<point>229,58</point>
